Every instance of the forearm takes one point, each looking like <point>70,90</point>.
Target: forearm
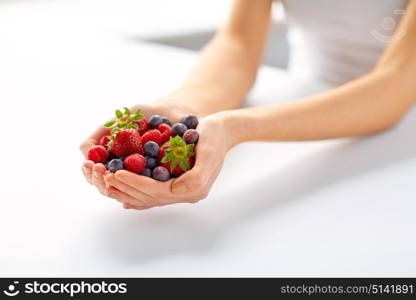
<point>369,104</point>
<point>220,80</point>
<point>372,103</point>
<point>227,67</point>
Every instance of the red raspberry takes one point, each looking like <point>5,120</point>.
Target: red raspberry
<point>152,135</point>
<point>104,141</point>
<point>143,126</point>
<point>166,131</point>
<point>135,163</point>
<point>98,154</point>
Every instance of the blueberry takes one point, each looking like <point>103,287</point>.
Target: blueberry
<point>151,162</point>
<point>191,121</point>
<point>147,172</point>
<point>151,149</point>
<point>179,129</point>
<point>115,165</point>
<point>155,121</point>
<point>111,155</point>
<point>161,174</point>
<point>191,136</point>
<point>166,121</point>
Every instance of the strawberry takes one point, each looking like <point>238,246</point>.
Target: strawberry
<point>104,140</point>
<point>98,154</point>
<point>135,163</point>
<point>143,126</point>
<point>166,131</point>
<point>176,156</point>
<point>125,138</point>
<point>126,142</point>
<point>152,135</point>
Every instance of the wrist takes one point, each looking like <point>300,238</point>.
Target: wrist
<point>236,125</point>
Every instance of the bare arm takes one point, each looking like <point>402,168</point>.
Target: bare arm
<point>374,102</point>
<point>228,64</point>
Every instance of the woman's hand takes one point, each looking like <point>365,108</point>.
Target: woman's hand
<point>140,192</point>
<point>94,173</point>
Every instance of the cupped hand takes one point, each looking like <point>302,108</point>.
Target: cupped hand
<point>94,173</point>
<point>140,192</point>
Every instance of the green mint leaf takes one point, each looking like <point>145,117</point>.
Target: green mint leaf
<point>119,114</point>
<point>127,111</point>
<point>132,125</point>
<point>109,124</point>
<point>137,117</point>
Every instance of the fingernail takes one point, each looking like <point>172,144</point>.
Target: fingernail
<point>179,188</point>
<point>96,174</point>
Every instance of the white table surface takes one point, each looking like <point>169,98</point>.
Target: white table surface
<point>333,208</point>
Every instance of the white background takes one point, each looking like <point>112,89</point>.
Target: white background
<point>333,208</point>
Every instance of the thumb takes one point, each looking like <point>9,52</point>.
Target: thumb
<point>93,140</point>
<point>85,146</point>
<point>190,187</point>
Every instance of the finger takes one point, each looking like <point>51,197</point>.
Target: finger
<point>129,206</point>
<point>87,170</point>
<point>141,198</point>
<point>113,193</point>
<point>88,164</point>
<point>98,171</point>
<point>153,188</point>
<point>124,198</point>
<point>87,175</point>
<point>85,146</point>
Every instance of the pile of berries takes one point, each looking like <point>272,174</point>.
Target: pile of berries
<point>152,148</point>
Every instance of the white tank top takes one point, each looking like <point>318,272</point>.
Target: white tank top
<point>337,41</point>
